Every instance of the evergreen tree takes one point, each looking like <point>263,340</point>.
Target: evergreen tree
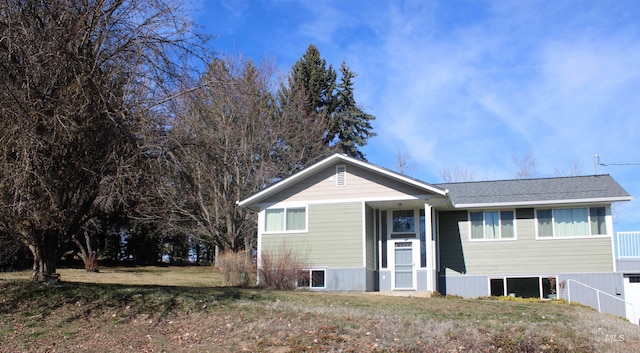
<point>350,126</point>
<point>331,107</point>
<point>318,82</point>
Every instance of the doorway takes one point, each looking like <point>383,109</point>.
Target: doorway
<point>404,270</point>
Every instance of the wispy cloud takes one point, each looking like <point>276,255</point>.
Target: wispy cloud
<point>472,83</point>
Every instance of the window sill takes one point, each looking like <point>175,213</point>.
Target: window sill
<point>492,240</point>
<point>286,232</point>
<point>599,236</point>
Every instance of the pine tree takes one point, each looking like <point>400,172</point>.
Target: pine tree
<point>331,107</point>
<point>350,126</point>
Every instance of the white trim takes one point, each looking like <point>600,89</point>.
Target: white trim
<point>285,231</point>
<point>430,247</point>
<point>607,220</point>
<point>364,235</point>
<point>541,203</point>
<point>310,286</point>
<point>391,256</point>
<point>515,231</point>
<point>599,236</point>
<point>259,246</point>
<point>405,197</point>
<point>540,284</point>
<point>282,184</point>
<point>608,223</point>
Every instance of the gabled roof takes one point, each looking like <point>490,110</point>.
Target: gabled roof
<point>522,192</point>
<point>285,183</point>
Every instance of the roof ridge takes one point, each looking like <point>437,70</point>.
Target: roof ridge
<point>522,179</point>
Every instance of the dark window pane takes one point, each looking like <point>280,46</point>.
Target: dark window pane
<point>497,287</point>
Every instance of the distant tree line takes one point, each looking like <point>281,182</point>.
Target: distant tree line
<point>115,146</point>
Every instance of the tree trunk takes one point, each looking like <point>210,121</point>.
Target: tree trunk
<point>44,250</point>
<point>87,254</point>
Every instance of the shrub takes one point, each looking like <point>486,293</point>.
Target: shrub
<point>281,269</point>
<point>235,267</point>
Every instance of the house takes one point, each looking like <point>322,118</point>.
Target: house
<point>361,228</point>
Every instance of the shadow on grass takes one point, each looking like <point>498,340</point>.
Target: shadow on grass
<point>127,300</point>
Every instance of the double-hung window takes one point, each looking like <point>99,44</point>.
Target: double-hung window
<point>290,219</point>
<point>489,225</point>
<point>571,222</point>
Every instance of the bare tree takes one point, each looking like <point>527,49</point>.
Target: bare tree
<point>457,174</point>
<point>403,162</point>
<point>525,166</point>
<point>575,170</point>
<point>81,90</point>
<point>232,139</point>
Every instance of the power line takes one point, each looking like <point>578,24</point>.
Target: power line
<point>596,163</point>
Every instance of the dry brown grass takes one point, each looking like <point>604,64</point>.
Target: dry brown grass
<point>187,276</point>
<point>195,318</point>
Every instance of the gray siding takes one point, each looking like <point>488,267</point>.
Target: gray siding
<point>461,256</point>
<point>421,285</point>
<point>346,279</point>
<point>334,237</point>
<point>628,265</point>
<point>385,280</point>
<point>611,283</point>
<point>466,286</point>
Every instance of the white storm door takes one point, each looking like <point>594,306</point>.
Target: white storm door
<point>404,269</point>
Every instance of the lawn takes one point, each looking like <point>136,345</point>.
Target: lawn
<point>185,309</point>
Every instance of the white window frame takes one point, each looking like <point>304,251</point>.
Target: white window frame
<point>310,273</point>
<point>408,234</point>
<point>285,208</point>
<point>553,226</point>
<point>540,284</point>
<point>484,221</point>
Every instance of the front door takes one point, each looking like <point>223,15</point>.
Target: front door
<point>404,274</point>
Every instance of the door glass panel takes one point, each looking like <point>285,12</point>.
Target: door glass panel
<point>404,265</point>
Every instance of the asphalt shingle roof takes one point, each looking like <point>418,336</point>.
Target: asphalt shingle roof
<point>534,190</point>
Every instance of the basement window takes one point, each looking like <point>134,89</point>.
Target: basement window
<point>311,279</point>
<point>524,287</point>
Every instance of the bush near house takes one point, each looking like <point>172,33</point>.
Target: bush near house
<point>282,269</point>
<point>236,268</point>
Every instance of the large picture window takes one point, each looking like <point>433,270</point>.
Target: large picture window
<point>285,219</point>
<point>571,222</point>
<point>492,225</point>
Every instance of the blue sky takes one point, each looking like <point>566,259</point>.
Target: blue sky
<point>469,85</point>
